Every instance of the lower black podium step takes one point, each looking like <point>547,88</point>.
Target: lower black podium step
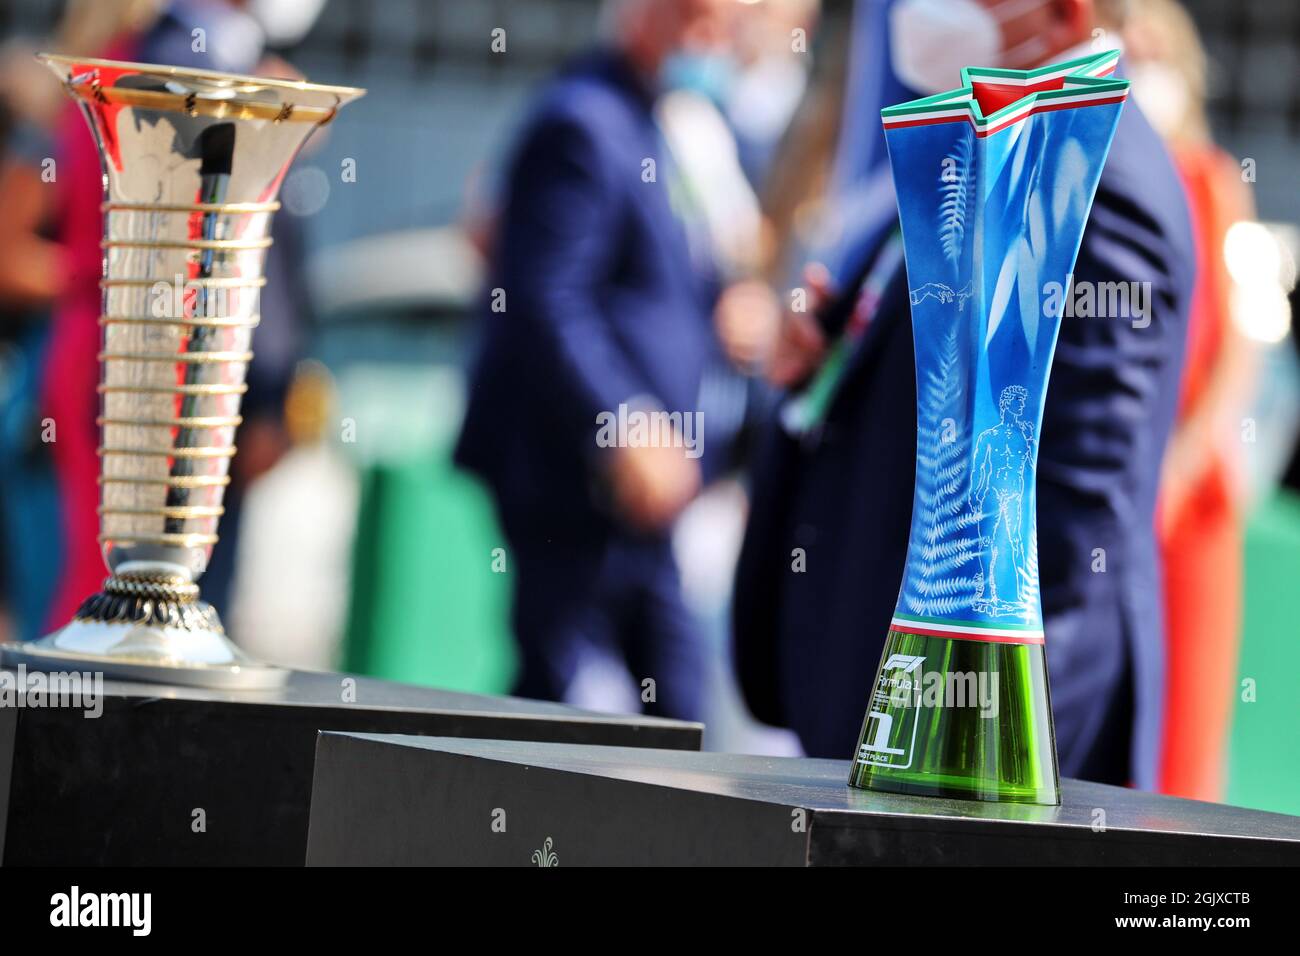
<point>180,775</point>
<point>380,799</point>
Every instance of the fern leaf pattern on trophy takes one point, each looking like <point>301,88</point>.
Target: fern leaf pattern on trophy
<point>957,196</point>
<point>1029,594</point>
<point>949,539</point>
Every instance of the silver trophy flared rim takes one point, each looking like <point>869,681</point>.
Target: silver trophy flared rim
<point>216,77</point>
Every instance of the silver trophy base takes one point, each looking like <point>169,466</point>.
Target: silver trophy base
<point>148,624</point>
<point>146,652</point>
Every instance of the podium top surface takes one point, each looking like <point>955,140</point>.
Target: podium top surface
<point>327,689</point>
<point>83,754</point>
<point>820,786</point>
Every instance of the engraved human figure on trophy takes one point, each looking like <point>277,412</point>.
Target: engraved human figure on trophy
<point>1002,454</point>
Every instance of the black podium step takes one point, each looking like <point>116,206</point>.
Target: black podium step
<point>179,775</point>
<point>383,799</point>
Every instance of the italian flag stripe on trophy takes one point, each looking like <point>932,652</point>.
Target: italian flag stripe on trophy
<point>994,183</point>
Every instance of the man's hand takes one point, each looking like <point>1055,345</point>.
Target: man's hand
<point>801,344</point>
<point>653,484</point>
<point>748,317</point>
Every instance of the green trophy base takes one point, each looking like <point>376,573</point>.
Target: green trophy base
<point>969,719</point>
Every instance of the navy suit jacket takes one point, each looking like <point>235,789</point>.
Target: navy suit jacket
<point>807,644</point>
<point>597,302</point>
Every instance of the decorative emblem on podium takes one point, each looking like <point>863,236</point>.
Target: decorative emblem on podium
<point>546,856</point>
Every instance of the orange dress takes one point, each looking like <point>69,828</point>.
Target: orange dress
<point>1202,543</point>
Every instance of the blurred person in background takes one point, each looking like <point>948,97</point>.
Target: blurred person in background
<point>803,198</point>
<point>697,110</point>
<point>773,46</point>
<point>724,225</point>
<point>837,477</point>
<point>31,270</point>
<point>829,189</point>
<point>720,118</point>
<point>1201,492</point>
<point>52,208</point>
<point>600,297</point>
<point>226,35</point>
<point>30,261</point>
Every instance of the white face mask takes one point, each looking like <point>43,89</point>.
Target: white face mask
<point>285,22</point>
<point>1162,93</point>
<point>931,40</point>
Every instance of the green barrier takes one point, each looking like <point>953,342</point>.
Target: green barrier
<point>1264,754</point>
<point>426,606</point>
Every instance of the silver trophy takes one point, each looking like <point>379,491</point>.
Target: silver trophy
<point>193,161</point>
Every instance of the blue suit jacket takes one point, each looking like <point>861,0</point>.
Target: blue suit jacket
<point>807,644</point>
<point>602,304</point>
